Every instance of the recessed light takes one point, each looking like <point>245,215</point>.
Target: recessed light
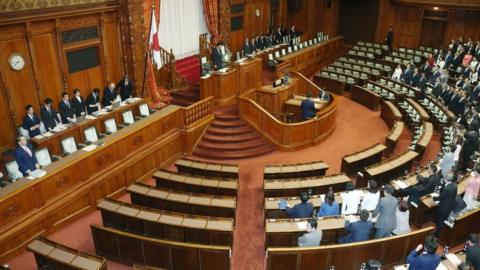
<point>435,8</point>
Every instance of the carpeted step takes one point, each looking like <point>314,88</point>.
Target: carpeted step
<point>237,146</point>
<point>230,139</point>
<point>229,131</point>
<point>186,94</point>
<point>253,152</point>
<point>182,102</point>
<point>228,124</point>
<point>226,117</point>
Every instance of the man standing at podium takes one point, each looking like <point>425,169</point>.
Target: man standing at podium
<point>25,157</point>
<point>219,54</point>
<point>308,107</point>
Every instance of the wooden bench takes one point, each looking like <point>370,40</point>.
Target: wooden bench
<point>285,171</point>
<point>391,168</point>
<point>355,162</point>
<point>210,169</point>
<point>330,84</point>
<point>392,137</point>
<point>182,202</point>
<point>424,139</point>
<point>455,234</point>
<point>294,186</point>
<point>51,255</point>
<point>390,113</point>
<point>196,184</point>
<point>420,110</point>
<point>366,97</point>
<point>390,251</point>
<point>130,248</point>
<point>166,225</point>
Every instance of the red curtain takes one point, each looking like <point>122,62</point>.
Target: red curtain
<point>210,10</point>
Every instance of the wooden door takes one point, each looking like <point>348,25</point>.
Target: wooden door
<point>432,32</point>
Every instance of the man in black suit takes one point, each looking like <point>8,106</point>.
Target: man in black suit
<point>109,95</point>
<point>279,35</point>
<point>126,88</point>
<point>470,144</point>
<point>475,93</point>
<point>446,202</point>
<point>78,103</point>
<point>67,112</point>
<point>408,75</point>
<point>31,122</point>
<point>436,74</point>
<point>217,58</point>
<point>422,83</point>
<point>246,48</point>
<point>448,60</point>
<point>389,39</point>
<point>49,115</point>
<point>292,33</point>
<point>415,78</point>
<point>473,250</point>
<point>93,101</point>
<point>437,88</point>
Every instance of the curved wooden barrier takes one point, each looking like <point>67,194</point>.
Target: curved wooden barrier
<point>290,136</point>
<point>390,251</point>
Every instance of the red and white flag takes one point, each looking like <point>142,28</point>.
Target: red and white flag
<point>154,43</point>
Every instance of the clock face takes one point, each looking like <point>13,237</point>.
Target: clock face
<point>16,61</point>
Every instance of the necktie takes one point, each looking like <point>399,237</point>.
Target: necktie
<point>27,150</point>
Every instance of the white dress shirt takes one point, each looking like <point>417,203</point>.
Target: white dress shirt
<point>350,203</point>
<point>370,201</point>
<point>403,225</point>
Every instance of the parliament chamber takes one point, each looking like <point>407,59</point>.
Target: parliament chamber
<point>240,134</point>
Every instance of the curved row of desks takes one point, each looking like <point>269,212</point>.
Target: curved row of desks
<point>195,184</point>
<point>284,171</point>
<point>355,162</point>
<point>165,224</point>
<point>182,202</point>
<point>394,135</point>
<point>314,185</point>
<point>51,255</point>
<point>391,168</point>
<point>131,248</point>
<point>210,169</point>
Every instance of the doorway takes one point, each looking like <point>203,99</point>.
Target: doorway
<point>432,32</point>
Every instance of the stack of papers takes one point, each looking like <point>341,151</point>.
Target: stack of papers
<point>400,184</point>
<point>90,147</point>
<point>441,267</point>
<point>47,134</point>
<point>454,259</point>
<point>37,174</point>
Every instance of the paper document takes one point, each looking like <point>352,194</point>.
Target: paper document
<point>302,225</point>
<point>90,117</point>
<point>441,267</point>
<point>90,147</point>
<point>400,267</point>
<point>38,137</point>
<point>47,134</point>
<point>400,184</point>
<point>38,173</point>
<point>454,259</point>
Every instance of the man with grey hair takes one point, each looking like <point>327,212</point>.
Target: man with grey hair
<point>387,207</point>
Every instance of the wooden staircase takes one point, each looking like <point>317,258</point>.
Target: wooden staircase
<point>229,137</point>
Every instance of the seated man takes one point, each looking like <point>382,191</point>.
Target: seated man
<point>49,115</point>
<point>67,112</point>
<point>424,258</point>
<point>473,250</point>
<point>109,95</point>
<point>301,210</point>
<point>308,107</point>
<point>25,157</point>
<point>359,230</point>
<point>31,122</point>
<point>313,236</point>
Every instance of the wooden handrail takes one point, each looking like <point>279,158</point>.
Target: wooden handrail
<point>205,46</point>
<point>307,81</point>
<point>198,111</point>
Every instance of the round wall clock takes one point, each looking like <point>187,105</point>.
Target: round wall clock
<point>16,61</point>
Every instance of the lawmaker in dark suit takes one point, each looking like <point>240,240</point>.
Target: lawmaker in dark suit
<point>126,88</point>
<point>422,83</point>
<point>448,60</point>
<point>246,48</point>
<point>93,101</point>
<point>415,78</point>
<point>308,107</point>
<point>437,88</point>
<point>109,95</point>
<point>473,251</point>
<point>408,75</point>
<point>78,103</point>
<point>301,210</point>
<point>217,58</point>
<point>424,259</point>
<point>446,202</point>
<point>389,39</point>
<point>359,230</point>
<point>67,112</point>
<point>49,115</point>
<point>31,122</point>
<point>25,157</point>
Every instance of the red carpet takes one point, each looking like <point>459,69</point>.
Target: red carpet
<point>357,128</point>
<point>189,68</point>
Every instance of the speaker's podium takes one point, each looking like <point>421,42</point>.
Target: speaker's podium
<point>226,84</point>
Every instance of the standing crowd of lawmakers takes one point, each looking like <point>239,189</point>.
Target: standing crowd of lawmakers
<point>69,109</point>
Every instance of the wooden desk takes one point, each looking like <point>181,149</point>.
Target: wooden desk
<point>166,225</point>
<point>196,184</point>
<point>74,184</point>
<point>390,113</point>
<point>273,212</point>
<point>465,224</point>
<point>249,74</point>
<point>332,85</point>
<point>425,138</point>
<point>390,251</point>
<point>285,232</point>
<point>293,187</point>
<point>391,168</point>
<point>355,162</point>
<point>420,110</point>
<point>53,143</point>
<point>210,169</point>
<point>52,255</point>
<point>366,97</point>
<point>308,60</point>
<point>284,171</point>
<point>130,248</point>
<point>293,105</point>
<point>393,136</point>
<point>182,202</point>
<point>272,99</point>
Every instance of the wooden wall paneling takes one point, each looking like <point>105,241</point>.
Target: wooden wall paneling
<point>7,137</point>
<point>462,23</point>
<point>432,33</point>
<point>357,20</point>
<point>385,19</point>
<point>224,20</point>
<point>408,26</point>
<point>112,47</point>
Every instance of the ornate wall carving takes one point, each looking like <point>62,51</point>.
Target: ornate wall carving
<point>24,5</point>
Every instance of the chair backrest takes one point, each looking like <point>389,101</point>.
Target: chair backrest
<point>110,125</point>
<point>283,52</point>
<point>203,60</point>
<point>289,49</point>
<point>43,157</point>
<point>270,57</point>
<point>23,132</point>
<point>42,127</point>
<point>68,145</point>
<point>144,111</point>
<point>128,117</point>
<point>13,171</point>
<point>91,134</point>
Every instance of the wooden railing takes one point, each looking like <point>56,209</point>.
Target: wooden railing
<point>290,136</point>
<point>205,46</point>
<point>198,111</point>
<point>167,75</point>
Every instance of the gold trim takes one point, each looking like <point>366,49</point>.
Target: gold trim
<point>23,5</point>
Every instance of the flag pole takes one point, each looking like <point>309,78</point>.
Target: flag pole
<point>147,48</point>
